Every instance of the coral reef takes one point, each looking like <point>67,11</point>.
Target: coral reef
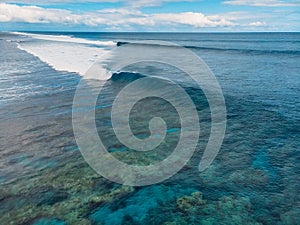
<point>227,210</point>
<point>61,196</point>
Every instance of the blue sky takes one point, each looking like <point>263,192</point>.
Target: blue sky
<point>150,15</point>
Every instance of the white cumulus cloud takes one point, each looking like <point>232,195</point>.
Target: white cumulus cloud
<point>193,19</point>
<point>131,3</point>
<point>34,14</point>
<point>257,24</point>
<point>108,17</point>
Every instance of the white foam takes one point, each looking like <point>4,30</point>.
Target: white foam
<point>72,56</point>
<point>68,39</point>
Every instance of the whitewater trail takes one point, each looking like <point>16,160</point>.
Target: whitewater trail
<point>66,53</point>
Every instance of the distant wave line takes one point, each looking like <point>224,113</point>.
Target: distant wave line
<point>257,51</point>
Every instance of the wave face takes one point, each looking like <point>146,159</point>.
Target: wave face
<point>126,76</point>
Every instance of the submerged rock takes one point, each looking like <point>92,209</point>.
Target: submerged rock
<point>47,195</point>
<point>95,200</point>
<point>48,221</point>
<point>191,203</point>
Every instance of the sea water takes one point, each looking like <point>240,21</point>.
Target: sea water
<point>253,180</point>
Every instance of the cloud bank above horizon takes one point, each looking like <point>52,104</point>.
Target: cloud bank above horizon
<point>150,15</point>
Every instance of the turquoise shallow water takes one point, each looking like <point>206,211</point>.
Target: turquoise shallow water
<point>253,180</point>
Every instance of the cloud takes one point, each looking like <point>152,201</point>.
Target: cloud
<point>34,14</point>
<point>130,3</point>
<point>42,2</point>
<point>193,19</point>
<point>268,3</point>
<point>257,24</point>
<point>107,17</point>
<point>131,19</point>
<point>148,3</point>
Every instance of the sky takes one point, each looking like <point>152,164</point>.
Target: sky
<point>150,15</point>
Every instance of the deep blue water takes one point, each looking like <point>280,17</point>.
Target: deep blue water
<point>253,180</point>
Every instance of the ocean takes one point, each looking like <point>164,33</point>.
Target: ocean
<point>45,178</point>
